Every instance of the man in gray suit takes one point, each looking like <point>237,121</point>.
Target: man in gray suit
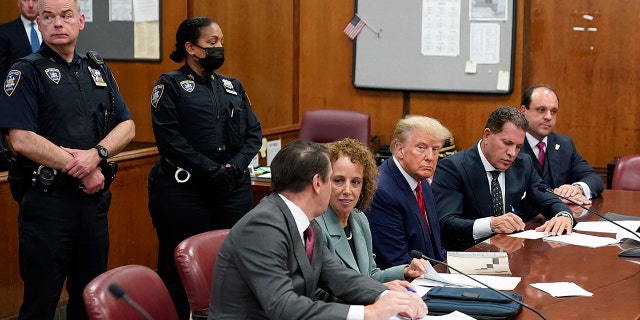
<point>270,266</point>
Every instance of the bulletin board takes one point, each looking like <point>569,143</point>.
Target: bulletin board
<point>436,45</point>
<point>122,30</point>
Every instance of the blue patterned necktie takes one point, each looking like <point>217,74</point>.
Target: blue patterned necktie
<point>496,194</point>
<point>35,42</point>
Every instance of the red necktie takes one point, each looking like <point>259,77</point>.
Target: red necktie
<point>423,210</point>
<point>541,154</point>
<point>308,242</point>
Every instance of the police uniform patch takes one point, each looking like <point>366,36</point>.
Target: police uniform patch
<point>156,94</point>
<point>53,74</point>
<point>188,85</point>
<point>228,86</point>
<point>11,83</point>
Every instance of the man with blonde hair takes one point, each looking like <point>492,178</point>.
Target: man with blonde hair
<point>403,213</point>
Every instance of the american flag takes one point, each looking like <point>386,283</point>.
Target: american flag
<point>354,27</point>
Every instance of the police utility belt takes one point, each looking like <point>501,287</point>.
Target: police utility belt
<point>46,179</point>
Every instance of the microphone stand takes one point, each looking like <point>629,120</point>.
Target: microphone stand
<point>417,254</point>
<point>627,253</point>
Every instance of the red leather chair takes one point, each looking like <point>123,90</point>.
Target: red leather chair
<point>141,285</point>
<point>328,125</point>
<point>195,258</point>
<point>626,174</point>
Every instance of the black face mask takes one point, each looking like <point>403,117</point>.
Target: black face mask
<point>214,58</point>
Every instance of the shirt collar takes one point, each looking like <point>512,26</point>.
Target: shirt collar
<point>302,222</point>
<point>533,141</point>
<point>487,166</point>
<point>410,180</point>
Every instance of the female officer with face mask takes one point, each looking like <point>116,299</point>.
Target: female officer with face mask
<point>207,134</point>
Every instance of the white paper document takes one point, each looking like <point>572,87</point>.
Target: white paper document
<point>528,234</point>
<point>434,279</point>
<point>584,240</point>
<point>608,227</point>
<point>562,289</point>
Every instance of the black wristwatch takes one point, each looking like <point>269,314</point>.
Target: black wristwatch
<point>104,154</point>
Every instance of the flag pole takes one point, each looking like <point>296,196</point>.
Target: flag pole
<point>377,32</point>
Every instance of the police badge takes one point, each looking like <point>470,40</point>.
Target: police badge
<point>97,77</point>
<point>53,74</point>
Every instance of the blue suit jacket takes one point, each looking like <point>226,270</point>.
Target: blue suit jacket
<point>397,226</point>
<point>564,165</point>
<point>461,189</point>
<point>14,44</point>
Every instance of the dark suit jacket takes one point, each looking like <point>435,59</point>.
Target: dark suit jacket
<point>14,44</point>
<point>397,226</point>
<point>262,271</point>
<point>564,165</point>
<point>462,194</point>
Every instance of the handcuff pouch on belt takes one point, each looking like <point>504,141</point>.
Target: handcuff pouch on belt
<point>44,178</point>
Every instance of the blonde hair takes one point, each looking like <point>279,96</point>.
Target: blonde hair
<point>431,126</point>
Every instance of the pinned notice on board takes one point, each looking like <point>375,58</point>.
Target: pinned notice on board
<point>470,67</point>
<point>503,80</point>
<point>273,147</point>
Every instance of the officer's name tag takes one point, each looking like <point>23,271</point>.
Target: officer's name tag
<point>97,77</point>
<point>228,86</point>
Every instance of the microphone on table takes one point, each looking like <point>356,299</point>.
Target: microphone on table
<point>418,255</point>
<point>118,292</point>
<point>628,253</point>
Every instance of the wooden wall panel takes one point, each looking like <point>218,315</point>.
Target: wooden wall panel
<point>258,41</point>
<point>326,64</point>
<point>596,73</point>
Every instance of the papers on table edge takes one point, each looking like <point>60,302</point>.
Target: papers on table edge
<point>585,240</point>
<point>562,289</point>
<point>434,279</point>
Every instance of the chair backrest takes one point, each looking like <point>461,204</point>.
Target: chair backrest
<point>626,174</point>
<point>141,284</point>
<point>195,258</point>
<point>327,125</point>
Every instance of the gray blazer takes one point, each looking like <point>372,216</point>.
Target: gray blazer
<point>262,271</point>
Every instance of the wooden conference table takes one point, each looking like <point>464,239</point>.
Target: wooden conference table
<point>614,281</point>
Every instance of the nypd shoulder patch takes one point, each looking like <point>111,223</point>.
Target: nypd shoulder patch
<point>11,83</point>
<point>156,94</point>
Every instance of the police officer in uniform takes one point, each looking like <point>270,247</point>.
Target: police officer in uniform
<point>64,116</point>
<point>207,134</point>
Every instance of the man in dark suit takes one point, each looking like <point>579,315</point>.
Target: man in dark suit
<point>398,223</point>
<point>479,191</point>
<point>274,258</point>
<point>555,156</point>
<point>15,35</point>
<point>14,44</point>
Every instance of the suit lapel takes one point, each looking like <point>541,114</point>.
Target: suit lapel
<point>338,241</point>
<point>479,186</point>
<point>298,246</point>
<point>360,244</point>
<point>408,196</point>
<point>554,158</point>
